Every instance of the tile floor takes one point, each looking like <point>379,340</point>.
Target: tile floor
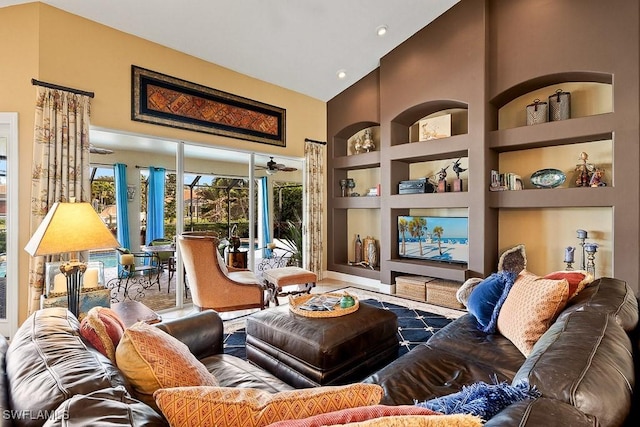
<point>325,285</point>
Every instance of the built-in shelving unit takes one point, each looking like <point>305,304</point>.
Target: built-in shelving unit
<point>486,76</point>
<point>409,159</point>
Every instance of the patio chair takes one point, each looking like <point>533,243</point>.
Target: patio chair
<point>165,259</point>
<point>213,284</point>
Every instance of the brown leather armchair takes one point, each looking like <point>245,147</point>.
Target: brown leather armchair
<point>212,284</point>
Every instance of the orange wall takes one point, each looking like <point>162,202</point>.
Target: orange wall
<point>51,45</point>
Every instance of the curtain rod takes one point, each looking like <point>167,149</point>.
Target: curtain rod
<point>199,173</point>
<point>315,142</point>
<point>58,87</point>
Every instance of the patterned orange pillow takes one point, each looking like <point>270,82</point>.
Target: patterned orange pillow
<point>578,279</point>
<point>530,308</point>
<point>103,328</point>
<point>246,407</point>
<point>152,359</point>
<point>453,420</point>
<point>352,415</point>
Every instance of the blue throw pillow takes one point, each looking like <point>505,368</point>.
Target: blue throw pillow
<point>481,399</point>
<point>487,297</point>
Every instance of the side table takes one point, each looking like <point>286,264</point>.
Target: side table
<point>237,259</point>
<point>131,312</point>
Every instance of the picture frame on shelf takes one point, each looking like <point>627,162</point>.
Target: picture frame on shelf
<point>435,127</point>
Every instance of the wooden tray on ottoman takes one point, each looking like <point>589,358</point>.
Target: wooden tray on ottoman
<point>443,292</point>
<point>295,303</point>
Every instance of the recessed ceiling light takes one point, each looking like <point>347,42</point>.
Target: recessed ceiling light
<point>341,74</point>
<point>381,30</point>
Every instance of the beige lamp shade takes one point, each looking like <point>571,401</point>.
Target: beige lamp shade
<point>70,227</point>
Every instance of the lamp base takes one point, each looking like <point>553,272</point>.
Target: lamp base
<point>73,271</point>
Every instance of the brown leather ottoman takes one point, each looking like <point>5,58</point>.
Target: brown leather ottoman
<point>309,352</point>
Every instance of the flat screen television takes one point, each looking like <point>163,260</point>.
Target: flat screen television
<point>434,238</point>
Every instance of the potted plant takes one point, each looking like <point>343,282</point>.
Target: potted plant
<point>292,238</point>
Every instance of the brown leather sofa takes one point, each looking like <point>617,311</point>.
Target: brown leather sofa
<point>583,366</point>
<point>49,374</point>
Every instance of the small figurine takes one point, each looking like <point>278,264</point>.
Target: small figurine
<point>442,181</point>
<point>457,169</point>
<point>597,178</point>
<point>357,145</point>
<point>368,144</point>
<point>442,175</point>
<point>585,171</point>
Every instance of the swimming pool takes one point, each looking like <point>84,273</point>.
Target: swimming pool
<point>108,258</point>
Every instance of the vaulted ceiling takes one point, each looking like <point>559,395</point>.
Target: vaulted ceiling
<point>296,44</point>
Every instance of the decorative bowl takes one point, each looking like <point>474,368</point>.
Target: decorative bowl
<point>548,178</point>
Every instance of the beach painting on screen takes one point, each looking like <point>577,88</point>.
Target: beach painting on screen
<point>434,238</point>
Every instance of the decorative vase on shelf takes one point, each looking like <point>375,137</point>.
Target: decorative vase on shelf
<point>357,248</point>
<point>372,252</point>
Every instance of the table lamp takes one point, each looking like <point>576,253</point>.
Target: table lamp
<point>71,228</point>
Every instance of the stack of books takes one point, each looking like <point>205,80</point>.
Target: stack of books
<point>505,181</point>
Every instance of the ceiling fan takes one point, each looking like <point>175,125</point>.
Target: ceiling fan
<point>97,150</point>
<point>273,167</point>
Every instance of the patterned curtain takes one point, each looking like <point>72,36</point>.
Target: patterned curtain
<point>60,165</point>
<point>314,208</point>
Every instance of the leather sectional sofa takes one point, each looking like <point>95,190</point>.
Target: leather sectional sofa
<point>583,366</point>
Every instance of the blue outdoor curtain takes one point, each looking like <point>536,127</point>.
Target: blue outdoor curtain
<point>122,209</point>
<point>155,204</point>
<point>266,234</point>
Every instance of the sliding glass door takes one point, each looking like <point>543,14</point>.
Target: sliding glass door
<point>204,188</point>
<point>8,223</point>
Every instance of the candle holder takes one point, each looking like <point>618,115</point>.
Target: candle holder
<point>343,187</point>
<point>591,249</point>
<point>582,236</point>
<point>568,257</point>
<point>351,184</point>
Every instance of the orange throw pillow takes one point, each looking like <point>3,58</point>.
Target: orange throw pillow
<point>453,420</point>
<point>246,407</point>
<point>103,329</point>
<point>530,308</point>
<point>352,415</point>
<point>152,359</point>
<point>578,279</point>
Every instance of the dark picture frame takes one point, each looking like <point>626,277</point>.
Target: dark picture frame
<point>169,101</point>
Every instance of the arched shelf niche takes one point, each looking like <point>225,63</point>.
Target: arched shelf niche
<point>591,94</point>
<point>405,127</point>
<point>342,138</point>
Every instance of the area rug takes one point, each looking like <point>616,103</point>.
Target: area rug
<point>417,322</point>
